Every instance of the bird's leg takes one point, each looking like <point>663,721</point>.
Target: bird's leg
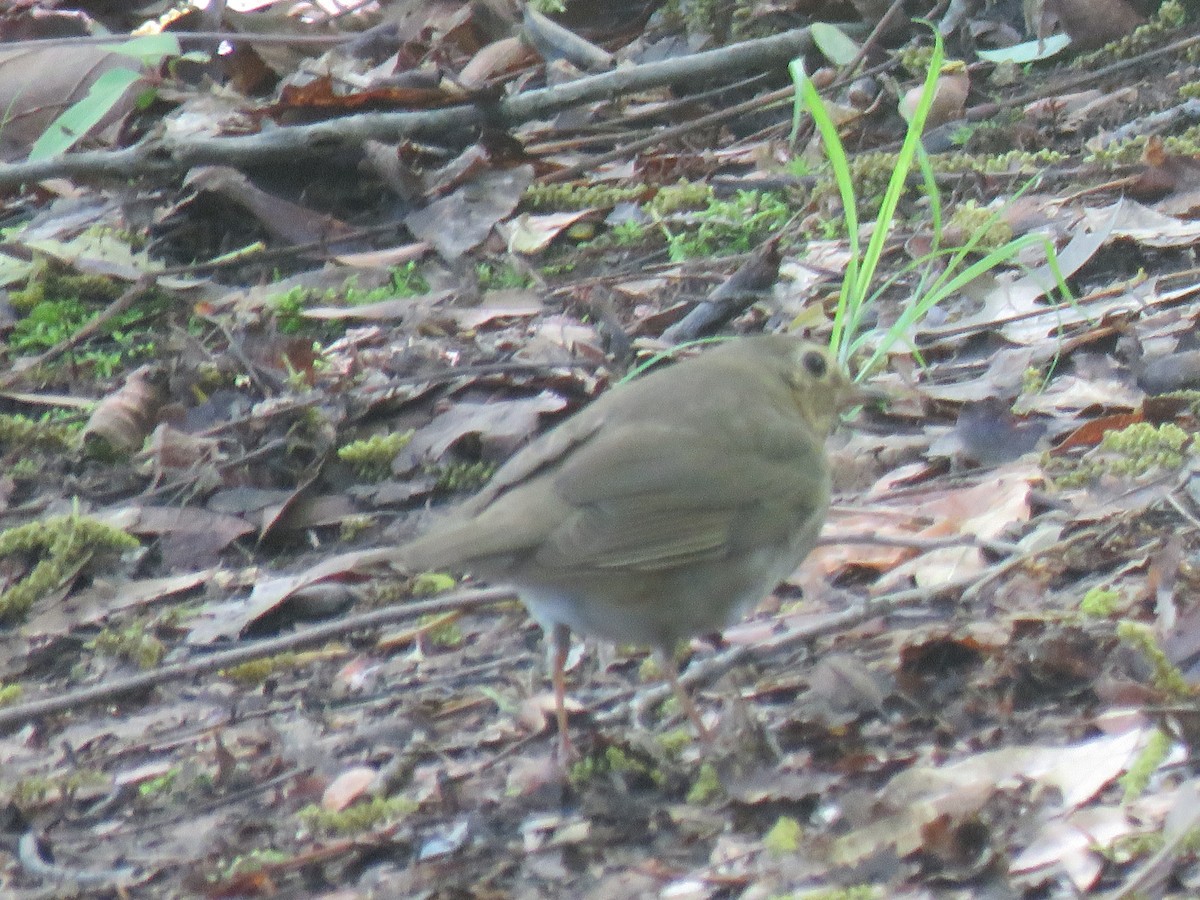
<point>667,660</point>
<point>560,640</point>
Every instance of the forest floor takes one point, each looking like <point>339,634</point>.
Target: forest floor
<point>978,685</point>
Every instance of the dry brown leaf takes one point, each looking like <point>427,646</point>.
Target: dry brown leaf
<point>39,83</point>
<point>347,788</point>
<point>123,420</point>
<point>463,220</point>
<point>500,427</point>
<point>497,59</point>
<point>949,97</point>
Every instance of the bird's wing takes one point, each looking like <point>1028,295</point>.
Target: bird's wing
<point>648,498</point>
<point>642,534</point>
<point>536,458</point>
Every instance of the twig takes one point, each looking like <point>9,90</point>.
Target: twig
<point>31,860</point>
<point>918,543</point>
<point>709,669</point>
<point>460,600</point>
<point>331,138</point>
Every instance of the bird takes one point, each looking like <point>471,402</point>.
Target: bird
<point>667,508</point>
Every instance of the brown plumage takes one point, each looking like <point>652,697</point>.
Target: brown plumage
<point>667,508</point>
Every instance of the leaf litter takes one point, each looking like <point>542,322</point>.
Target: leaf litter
<point>980,683</point>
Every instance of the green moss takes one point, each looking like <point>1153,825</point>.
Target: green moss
<point>629,234</point>
<point>737,225</point>
<point>1014,161</point>
<point>971,219</point>
<point>85,779</point>
<point>1173,14</point>
<point>408,281</point>
<point>679,197</point>
<point>650,670</point>
<point>57,304</point>
<point>675,741</point>
<point>156,787</point>
<point>25,467</point>
<point>1118,153</point>
<point>427,584</point>
<point>1184,143</point>
<point>705,17</point>
<point>403,281</point>
<point>134,643</point>
<point>1170,16</point>
<point>372,457</point>
<point>462,476</point>
<point>10,693</point>
<point>1129,452</point>
<point>288,308</point>
<point>17,432</point>
<point>612,760</point>
<point>352,526</point>
<point>707,785</point>
<point>1167,677</point>
<point>557,267</point>
<point>552,197</point>
<point>1190,842</point>
<point>502,277</point>
<point>254,861</point>
<point>48,323</point>
<point>915,58</point>
<point>51,283</point>
<point>869,175</point>
<point>854,892</point>
<point>443,629</point>
<point>1154,754</point>
<point>1033,380</point>
<point>1143,447</point>
<point>32,791</point>
<point>66,544</point>
<point>784,837</point>
<point>1131,846</point>
<point>1100,602</point>
<point>256,671</point>
<point>358,818</point>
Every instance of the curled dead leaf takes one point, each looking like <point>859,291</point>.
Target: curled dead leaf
<point>121,421</point>
<point>949,97</point>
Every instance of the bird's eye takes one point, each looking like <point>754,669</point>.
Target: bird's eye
<point>814,364</point>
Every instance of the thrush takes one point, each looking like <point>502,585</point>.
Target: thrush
<point>669,507</point>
